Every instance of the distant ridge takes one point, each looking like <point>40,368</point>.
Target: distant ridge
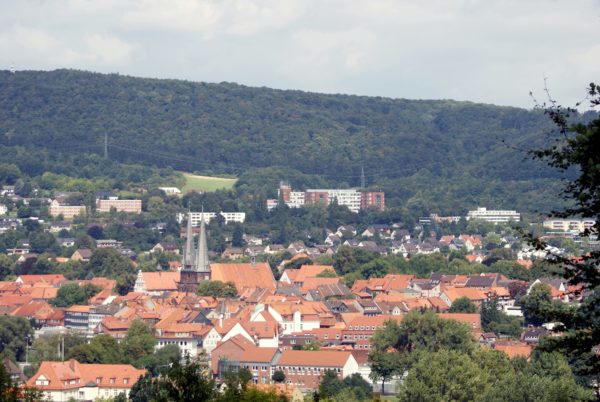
<point>430,154</point>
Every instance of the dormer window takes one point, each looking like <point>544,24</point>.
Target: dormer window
<point>112,380</point>
<point>98,380</point>
<point>125,380</point>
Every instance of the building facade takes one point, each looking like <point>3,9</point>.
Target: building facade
<point>494,216</point>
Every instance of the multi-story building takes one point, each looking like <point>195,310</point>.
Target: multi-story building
<point>305,368</point>
<point>71,380</point>
<point>569,225</point>
<point>354,199</point>
<point>131,206</point>
<point>77,318</point>
<point>494,216</point>
<point>67,211</point>
<point>229,217</point>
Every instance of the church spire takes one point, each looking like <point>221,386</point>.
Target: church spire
<point>202,263</point>
<point>188,252</point>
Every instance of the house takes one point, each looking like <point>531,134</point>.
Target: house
<point>54,280</point>
<point>227,352</point>
<point>360,330</point>
<point>13,370</point>
<point>56,227</point>
<point>532,335</point>
<point>187,336</point>
<point>165,247</point>
<point>274,249</point>
<point>244,275</point>
<point>450,294</point>
<point>156,283</point>
<point>82,254</point>
<point>61,381</point>
<point>298,276</point>
<point>233,253</point>
<point>305,368</point>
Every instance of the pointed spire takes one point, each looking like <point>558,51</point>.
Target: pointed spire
<point>202,264</point>
<point>188,252</point>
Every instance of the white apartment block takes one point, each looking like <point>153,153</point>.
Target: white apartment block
<point>239,217</point>
<point>569,225</point>
<point>296,199</point>
<point>495,216</point>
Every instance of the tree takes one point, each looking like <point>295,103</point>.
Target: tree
<point>11,392</point>
<point>463,305</point>
<point>138,342</point>
<point>537,304</point>
<point>417,332</point>
<point>574,152</point>
<point>14,334</point>
<point>237,238</point>
<point>278,376</point>
<point>217,289</point>
<point>69,294</point>
<point>495,320</point>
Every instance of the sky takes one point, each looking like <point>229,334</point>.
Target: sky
<point>491,51</point>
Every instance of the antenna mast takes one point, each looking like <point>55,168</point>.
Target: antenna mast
<point>362,177</point>
<point>106,145</point>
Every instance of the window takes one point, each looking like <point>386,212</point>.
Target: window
<point>112,380</point>
<point>125,380</point>
<point>98,380</point>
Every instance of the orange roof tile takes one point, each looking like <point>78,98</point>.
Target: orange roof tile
<point>244,275</point>
<point>102,375</point>
<point>312,283</point>
<point>514,348</point>
<point>157,281</point>
<point>259,355</point>
<point>320,358</point>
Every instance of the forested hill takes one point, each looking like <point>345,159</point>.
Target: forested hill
<point>440,155</point>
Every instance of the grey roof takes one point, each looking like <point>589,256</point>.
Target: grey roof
<point>480,282</point>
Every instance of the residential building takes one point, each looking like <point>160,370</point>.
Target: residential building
<point>229,217</point>
<point>354,199</point>
<point>62,381</point>
<point>495,216</point>
<point>305,368</point>
<point>170,190</point>
<point>130,206</point>
<point>67,211</point>
<point>77,318</point>
<point>569,225</point>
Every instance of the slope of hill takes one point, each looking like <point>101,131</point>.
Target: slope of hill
<point>437,155</point>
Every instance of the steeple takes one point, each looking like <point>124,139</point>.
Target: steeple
<point>201,262</point>
<point>188,252</point>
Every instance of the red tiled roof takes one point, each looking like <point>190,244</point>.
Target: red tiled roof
<point>60,374</point>
<point>320,358</point>
<point>244,275</point>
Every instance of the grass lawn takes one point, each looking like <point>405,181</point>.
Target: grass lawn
<point>206,183</point>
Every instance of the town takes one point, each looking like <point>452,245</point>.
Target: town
<point>94,297</point>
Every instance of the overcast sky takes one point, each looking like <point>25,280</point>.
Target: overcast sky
<point>492,51</point>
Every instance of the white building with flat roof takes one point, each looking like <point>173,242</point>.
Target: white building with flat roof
<point>495,216</point>
<point>239,217</point>
<point>569,225</point>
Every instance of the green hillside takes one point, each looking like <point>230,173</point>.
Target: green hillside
<point>437,155</point>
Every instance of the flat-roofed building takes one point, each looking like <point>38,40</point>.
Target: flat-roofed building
<point>495,216</point>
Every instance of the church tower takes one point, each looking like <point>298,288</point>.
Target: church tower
<point>196,267</point>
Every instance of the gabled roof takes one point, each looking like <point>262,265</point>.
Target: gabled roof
<point>258,355</point>
<point>245,275</point>
<point>60,374</point>
<point>52,279</point>
<point>161,280</point>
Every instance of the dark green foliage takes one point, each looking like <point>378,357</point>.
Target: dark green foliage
<point>68,295</point>
<point>313,140</point>
<point>354,386</point>
<point>217,289</point>
<point>11,392</point>
<point>463,305</point>
<point>14,332</point>
<point>278,376</point>
<point>496,321</point>
<point>486,375</point>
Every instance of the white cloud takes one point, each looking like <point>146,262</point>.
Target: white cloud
<point>493,51</point>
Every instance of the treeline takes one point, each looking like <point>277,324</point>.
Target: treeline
<point>441,156</point>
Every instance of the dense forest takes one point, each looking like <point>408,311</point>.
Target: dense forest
<point>430,155</point>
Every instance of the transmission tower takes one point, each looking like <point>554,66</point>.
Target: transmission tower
<point>362,177</point>
<point>106,146</point>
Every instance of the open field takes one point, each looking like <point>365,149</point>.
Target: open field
<point>206,183</point>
